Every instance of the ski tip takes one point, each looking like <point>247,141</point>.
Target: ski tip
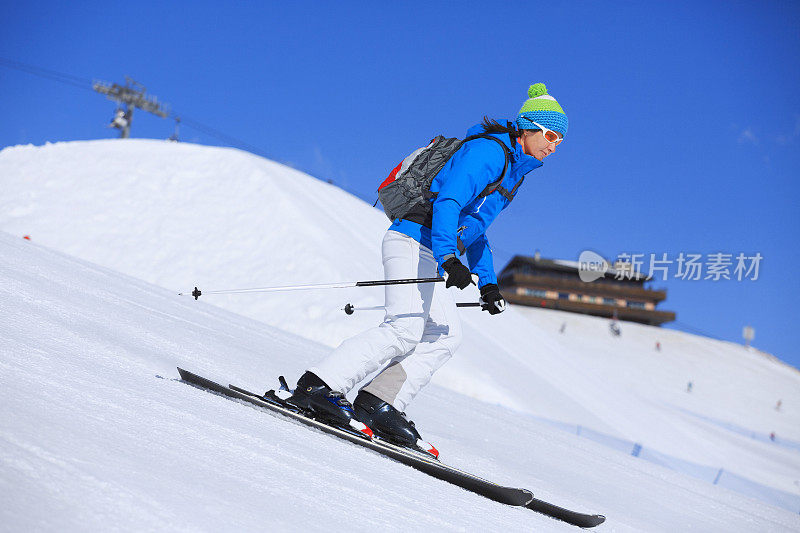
<point>596,520</point>
<point>575,518</point>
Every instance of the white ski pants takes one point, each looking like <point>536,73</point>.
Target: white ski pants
<point>420,332</point>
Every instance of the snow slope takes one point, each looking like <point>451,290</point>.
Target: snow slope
<point>179,215</point>
<point>96,432</point>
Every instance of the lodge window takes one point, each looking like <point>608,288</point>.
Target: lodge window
<point>538,293</point>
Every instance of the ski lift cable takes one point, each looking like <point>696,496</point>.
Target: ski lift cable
<point>86,84</point>
<point>213,132</point>
<point>69,79</point>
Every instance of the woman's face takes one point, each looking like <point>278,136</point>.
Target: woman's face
<point>534,144</point>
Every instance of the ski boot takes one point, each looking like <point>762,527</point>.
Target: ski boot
<point>314,398</point>
<point>390,424</point>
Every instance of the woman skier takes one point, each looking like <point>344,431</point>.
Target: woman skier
<point>421,329</point>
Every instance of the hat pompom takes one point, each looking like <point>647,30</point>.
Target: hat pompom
<point>537,89</point>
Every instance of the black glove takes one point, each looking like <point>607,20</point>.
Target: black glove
<point>492,300</point>
<point>457,274</point>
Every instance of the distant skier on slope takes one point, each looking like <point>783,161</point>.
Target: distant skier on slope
<point>421,329</point>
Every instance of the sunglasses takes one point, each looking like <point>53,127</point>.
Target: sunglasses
<point>549,135</point>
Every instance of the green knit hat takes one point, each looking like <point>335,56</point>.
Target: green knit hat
<point>543,109</point>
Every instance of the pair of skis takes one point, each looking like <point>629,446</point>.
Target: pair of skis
<point>417,460</point>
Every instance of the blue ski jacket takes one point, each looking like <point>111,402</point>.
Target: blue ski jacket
<point>459,213</point>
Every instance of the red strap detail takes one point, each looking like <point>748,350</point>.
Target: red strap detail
<point>391,177</point>
<point>433,451</point>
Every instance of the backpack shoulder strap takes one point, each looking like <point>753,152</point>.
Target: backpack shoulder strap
<point>509,195</point>
<point>495,185</point>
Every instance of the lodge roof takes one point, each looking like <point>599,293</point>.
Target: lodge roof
<point>574,267</point>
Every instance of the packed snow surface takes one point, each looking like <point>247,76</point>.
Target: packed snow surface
<point>95,430</point>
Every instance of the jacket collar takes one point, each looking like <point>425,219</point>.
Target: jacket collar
<point>521,163</point>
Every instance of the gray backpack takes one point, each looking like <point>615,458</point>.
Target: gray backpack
<point>407,194</point>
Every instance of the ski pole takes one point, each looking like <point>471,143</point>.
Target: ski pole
<point>350,308</point>
<point>197,292</point>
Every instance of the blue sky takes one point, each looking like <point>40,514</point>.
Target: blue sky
<point>684,116</point>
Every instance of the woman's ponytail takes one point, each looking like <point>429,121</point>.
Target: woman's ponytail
<point>490,125</point>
